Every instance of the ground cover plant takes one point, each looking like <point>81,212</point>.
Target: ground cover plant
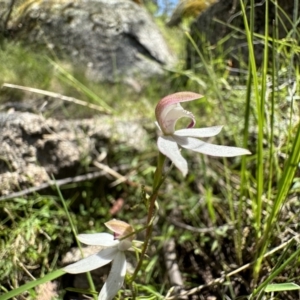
<point>229,227</point>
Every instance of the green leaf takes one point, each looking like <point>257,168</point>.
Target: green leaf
<point>279,287</point>
<point>32,284</point>
<point>81,291</point>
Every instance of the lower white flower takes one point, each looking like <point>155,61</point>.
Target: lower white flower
<point>113,252</point>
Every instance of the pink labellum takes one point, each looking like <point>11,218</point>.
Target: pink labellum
<point>169,110</point>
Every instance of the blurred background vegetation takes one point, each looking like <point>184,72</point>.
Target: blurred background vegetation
<point>212,214</point>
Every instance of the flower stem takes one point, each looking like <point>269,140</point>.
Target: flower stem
<point>157,181</point>
<point>158,172</point>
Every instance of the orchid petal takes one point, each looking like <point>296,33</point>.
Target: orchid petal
<point>169,148</point>
<point>115,278</point>
<point>93,262</point>
<point>98,239</point>
<point>169,110</point>
<point>209,149</point>
<point>125,244</point>
<point>199,132</point>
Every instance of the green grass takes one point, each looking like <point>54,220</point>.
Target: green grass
<point>235,221</point>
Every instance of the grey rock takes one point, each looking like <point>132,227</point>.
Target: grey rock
<point>33,148</point>
<point>113,40</point>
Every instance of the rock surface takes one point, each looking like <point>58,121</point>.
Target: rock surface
<point>112,40</point>
<point>235,48</point>
<point>33,148</point>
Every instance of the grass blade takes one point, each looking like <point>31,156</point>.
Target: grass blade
<point>30,285</point>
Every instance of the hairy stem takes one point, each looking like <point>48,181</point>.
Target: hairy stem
<point>157,181</point>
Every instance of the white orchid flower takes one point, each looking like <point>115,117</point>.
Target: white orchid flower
<point>113,251</point>
<point>168,111</point>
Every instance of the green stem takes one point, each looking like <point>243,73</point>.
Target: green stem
<point>158,172</point>
<point>157,181</point>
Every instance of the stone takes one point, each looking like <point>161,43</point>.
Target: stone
<point>34,148</point>
<point>112,40</point>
